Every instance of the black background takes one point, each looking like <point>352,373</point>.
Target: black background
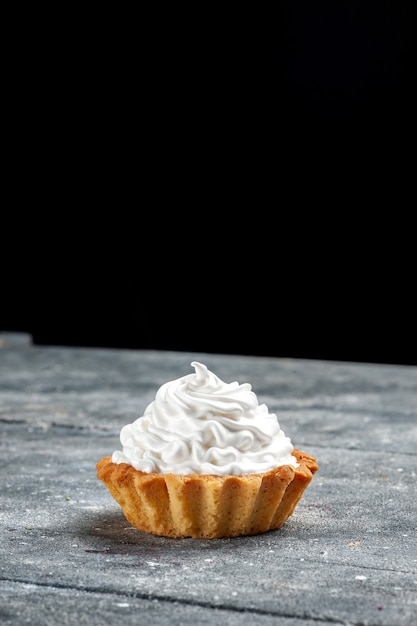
<point>239,185</point>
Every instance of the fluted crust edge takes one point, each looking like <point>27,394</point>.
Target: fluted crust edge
<point>207,506</point>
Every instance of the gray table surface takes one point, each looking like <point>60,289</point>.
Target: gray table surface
<point>348,555</point>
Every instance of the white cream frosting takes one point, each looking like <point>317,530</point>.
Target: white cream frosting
<point>199,424</point>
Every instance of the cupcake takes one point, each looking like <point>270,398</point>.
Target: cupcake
<point>206,460</point>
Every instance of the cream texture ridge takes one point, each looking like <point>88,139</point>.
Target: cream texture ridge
<point>199,424</point>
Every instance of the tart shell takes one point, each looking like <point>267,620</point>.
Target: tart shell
<point>206,506</point>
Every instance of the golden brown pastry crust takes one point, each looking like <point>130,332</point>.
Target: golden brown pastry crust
<point>207,506</point>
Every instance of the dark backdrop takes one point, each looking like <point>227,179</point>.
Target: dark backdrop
<point>244,186</point>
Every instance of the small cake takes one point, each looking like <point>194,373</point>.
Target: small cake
<point>206,460</point>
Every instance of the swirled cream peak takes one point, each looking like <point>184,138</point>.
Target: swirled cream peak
<point>199,424</point>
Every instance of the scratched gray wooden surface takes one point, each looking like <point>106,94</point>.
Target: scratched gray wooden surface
<point>68,556</point>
